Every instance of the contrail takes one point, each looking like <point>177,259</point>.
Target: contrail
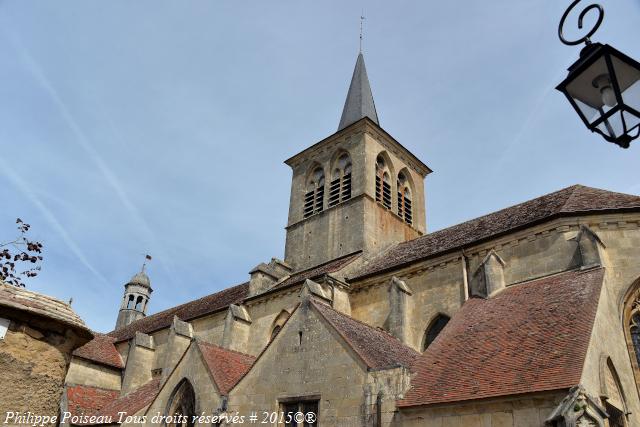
<point>50,217</point>
<point>81,138</point>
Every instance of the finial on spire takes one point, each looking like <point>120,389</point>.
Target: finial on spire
<point>144,264</point>
<point>362,18</point>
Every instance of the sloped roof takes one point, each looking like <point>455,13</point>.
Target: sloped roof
<point>319,270</point>
<point>87,400</point>
<point>132,402</point>
<point>226,366</point>
<point>530,337</point>
<point>565,202</point>
<point>188,311</point>
<point>40,305</point>
<point>101,350</point>
<point>377,348</point>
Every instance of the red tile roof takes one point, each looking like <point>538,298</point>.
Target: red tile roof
<point>530,337</point>
<point>101,350</point>
<point>226,366</point>
<point>319,270</point>
<point>131,403</point>
<point>569,201</point>
<point>377,348</point>
<point>86,400</point>
<point>188,311</point>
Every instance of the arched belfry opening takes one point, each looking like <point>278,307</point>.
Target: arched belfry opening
<point>314,192</point>
<point>181,407</point>
<point>340,188</point>
<point>383,182</point>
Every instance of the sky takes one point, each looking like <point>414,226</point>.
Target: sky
<point>160,127</point>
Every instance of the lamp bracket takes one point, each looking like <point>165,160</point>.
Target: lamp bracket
<point>587,38</point>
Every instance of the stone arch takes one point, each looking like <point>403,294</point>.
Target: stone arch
<point>630,309</point>
<point>340,184</point>
<point>405,195</point>
<point>433,329</point>
<point>314,190</point>
<point>278,323</point>
<point>384,183</point>
<point>612,393</point>
<point>182,403</point>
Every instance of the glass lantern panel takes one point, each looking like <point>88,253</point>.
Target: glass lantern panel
<point>583,90</point>
<point>591,114</point>
<point>613,126</point>
<point>631,96</point>
<point>631,120</point>
<point>629,81</point>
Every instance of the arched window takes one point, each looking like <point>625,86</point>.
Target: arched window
<point>404,199</point>
<point>314,196</point>
<point>631,318</point>
<point>340,188</point>
<point>130,304</point>
<point>182,405</point>
<point>383,183</point>
<point>278,323</point>
<point>139,303</point>
<point>434,329</point>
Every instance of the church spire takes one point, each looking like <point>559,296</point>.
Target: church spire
<point>359,101</point>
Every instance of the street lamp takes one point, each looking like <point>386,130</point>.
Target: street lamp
<point>603,85</point>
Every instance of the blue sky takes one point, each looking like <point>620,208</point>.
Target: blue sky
<point>160,127</point>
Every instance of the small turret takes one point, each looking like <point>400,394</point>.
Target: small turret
<point>137,293</point>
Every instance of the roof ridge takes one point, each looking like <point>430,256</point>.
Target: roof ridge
<point>500,210</point>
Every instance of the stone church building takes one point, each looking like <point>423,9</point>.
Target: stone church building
<point>527,317</point>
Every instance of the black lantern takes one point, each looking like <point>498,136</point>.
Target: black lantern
<point>603,87</point>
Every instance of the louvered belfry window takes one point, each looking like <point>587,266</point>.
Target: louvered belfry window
<point>383,183</point>
<point>314,196</point>
<point>340,187</point>
<point>404,199</point>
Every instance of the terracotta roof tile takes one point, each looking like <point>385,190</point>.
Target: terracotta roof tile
<point>86,400</point>
<point>188,311</point>
<point>319,270</point>
<point>38,304</point>
<point>226,366</point>
<point>131,403</point>
<point>377,348</point>
<point>571,200</point>
<point>101,350</point>
<point>530,337</point>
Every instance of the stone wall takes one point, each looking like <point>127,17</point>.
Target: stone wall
<point>92,374</point>
<point>316,364</point>
<point>528,411</point>
<point>33,363</point>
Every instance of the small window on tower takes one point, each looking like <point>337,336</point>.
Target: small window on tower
<point>314,195</point>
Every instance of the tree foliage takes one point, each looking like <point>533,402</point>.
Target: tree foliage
<point>20,258</point>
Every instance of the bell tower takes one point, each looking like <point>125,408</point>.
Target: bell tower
<point>356,190</point>
<point>137,293</point>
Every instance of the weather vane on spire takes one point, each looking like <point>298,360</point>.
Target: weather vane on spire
<point>147,257</point>
<point>361,26</point>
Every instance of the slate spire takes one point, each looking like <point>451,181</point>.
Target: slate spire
<point>359,101</point>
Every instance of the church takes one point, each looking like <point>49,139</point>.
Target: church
<point>525,317</point>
